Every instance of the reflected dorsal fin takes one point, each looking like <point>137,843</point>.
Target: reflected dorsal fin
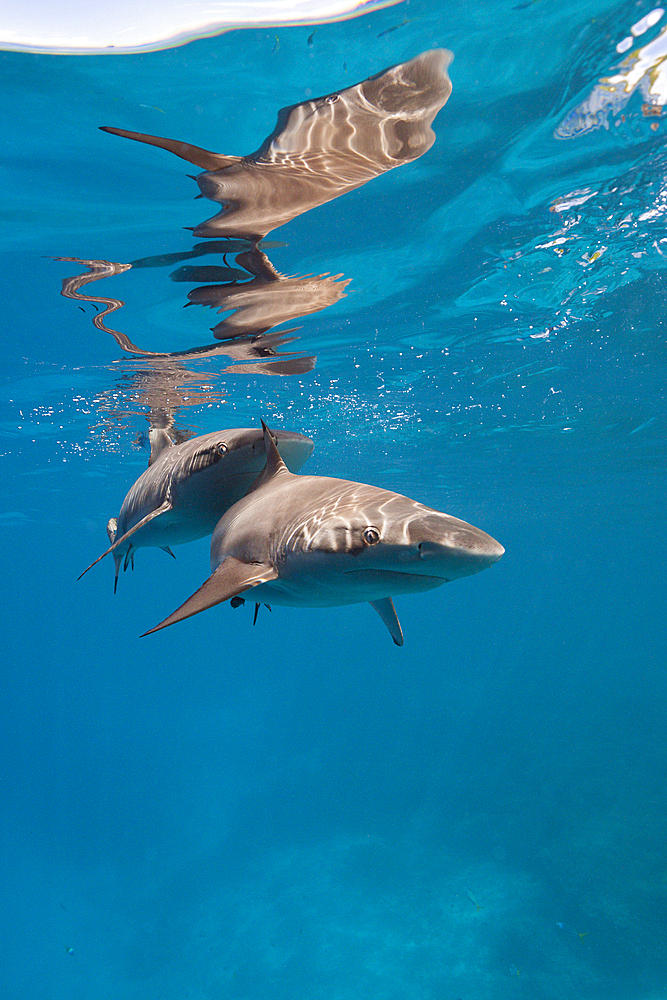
<point>203,158</point>
<point>160,440</point>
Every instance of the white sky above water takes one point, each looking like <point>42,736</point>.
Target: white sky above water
<point>80,27</point>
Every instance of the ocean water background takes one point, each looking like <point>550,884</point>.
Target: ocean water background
<point>301,809</point>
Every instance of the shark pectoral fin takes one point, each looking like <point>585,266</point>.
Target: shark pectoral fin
<point>232,577</point>
<point>193,154</point>
<point>387,612</point>
<point>162,509</point>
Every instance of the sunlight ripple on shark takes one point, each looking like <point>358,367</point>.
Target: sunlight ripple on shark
<point>187,487</point>
<point>312,541</point>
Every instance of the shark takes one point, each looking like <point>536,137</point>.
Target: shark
<point>315,541</point>
<point>187,487</point>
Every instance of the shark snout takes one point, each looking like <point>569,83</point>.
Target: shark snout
<point>453,548</point>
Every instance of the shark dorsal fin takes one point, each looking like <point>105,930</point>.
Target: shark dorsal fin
<point>160,441</point>
<point>274,463</point>
<point>203,158</point>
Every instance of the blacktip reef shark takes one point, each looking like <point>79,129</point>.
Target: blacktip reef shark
<point>311,541</point>
<point>320,149</point>
<point>187,487</point>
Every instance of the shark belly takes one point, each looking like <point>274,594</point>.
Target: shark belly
<point>170,528</point>
<point>320,590</point>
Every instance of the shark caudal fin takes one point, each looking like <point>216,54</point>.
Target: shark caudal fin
<point>232,577</point>
<point>203,158</point>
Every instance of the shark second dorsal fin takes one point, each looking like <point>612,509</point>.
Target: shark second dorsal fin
<point>160,441</point>
<point>203,158</point>
<point>387,612</point>
<point>232,577</point>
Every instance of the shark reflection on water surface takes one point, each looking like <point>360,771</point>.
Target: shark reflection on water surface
<point>320,149</point>
<point>243,338</point>
<point>168,381</point>
<point>270,299</point>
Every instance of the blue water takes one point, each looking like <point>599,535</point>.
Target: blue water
<point>301,809</point>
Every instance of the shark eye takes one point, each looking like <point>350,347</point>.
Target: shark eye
<point>371,535</point>
<point>221,448</point>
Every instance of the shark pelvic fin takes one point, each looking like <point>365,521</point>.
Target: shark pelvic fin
<point>165,548</point>
<point>162,509</point>
<point>203,158</point>
<point>232,577</point>
<point>387,612</point>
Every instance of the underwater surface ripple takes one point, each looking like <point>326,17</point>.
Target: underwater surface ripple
<point>300,809</point>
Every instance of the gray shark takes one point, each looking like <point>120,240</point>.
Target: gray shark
<point>187,487</point>
<point>311,541</point>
